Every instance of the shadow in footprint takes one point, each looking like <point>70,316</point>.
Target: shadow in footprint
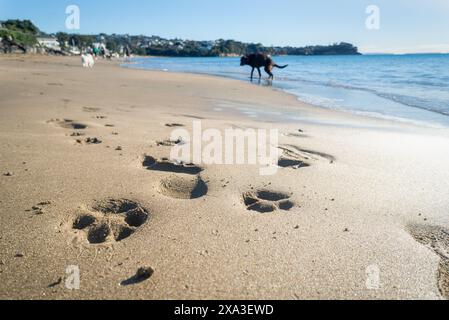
<point>174,125</point>
<point>169,143</point>
<point>165,165</point>
<point>70,124</point>
<point>292,163</point>
<point>266,201</point>
<point>98,233</point>
<point>92,141</point>
<point>113,206</point>
<point>272,195</point>
<point>286,205</point>
<point>183,187</point>
<point>121,232</point>
<point>141,275</point>
<point>83,221</point>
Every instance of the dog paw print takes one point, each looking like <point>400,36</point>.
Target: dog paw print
<point>265,201</point>
<point>111,221</point>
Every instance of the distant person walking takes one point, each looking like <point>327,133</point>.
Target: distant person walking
<point>127,52</point>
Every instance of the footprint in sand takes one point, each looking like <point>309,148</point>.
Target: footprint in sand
<point>285,162</point>
<point>91,109</point>
<point>68,124</point>
<point>305,156</point>
<point>77,134</point>
<point>174,125</point>
<point>166,165</point>
<point>170,143</point>
<point>111,221</point>
<point>183,187</point>
<point>187,185</point>
<point>266,201</point>
<point>437,239</point>
<point>89,141</point>
<point>141,275</point>
<point>191,117</point>
<point>299,134</point>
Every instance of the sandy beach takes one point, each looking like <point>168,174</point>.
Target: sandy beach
<point>83,183</point>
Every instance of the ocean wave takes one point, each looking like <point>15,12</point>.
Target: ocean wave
<point>399,119</point>
<point>335,105</point>
<point>409,101</point>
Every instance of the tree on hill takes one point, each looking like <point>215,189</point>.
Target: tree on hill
<point>25,26</point>
<point>18,33</point>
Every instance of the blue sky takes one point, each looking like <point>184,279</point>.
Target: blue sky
<point>405,25</point>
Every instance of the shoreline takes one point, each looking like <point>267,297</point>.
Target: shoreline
<point>419,122</point>
<point>371,121</point>
<point>76,142</point>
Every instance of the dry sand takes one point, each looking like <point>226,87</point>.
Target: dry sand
<point>373,198</point>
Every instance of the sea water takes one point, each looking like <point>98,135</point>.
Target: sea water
<point>410,88</point>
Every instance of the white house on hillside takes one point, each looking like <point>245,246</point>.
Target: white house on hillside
<point>49,42</point>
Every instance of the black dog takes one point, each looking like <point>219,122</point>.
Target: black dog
<point>258,61</point>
